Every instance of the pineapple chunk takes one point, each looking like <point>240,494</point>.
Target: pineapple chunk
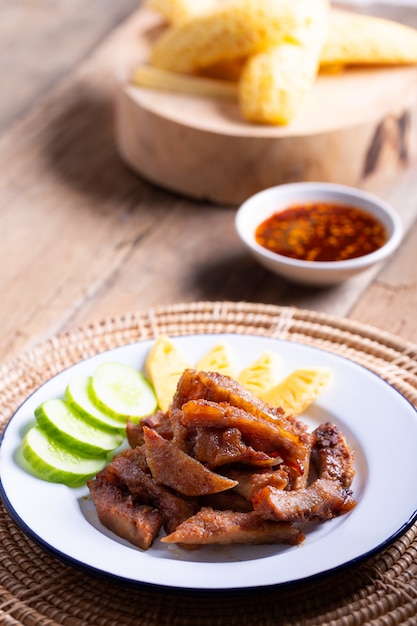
<point>298,390</point>
<point>164,366</point>
<point>218,359</point>
<point>262,374</point>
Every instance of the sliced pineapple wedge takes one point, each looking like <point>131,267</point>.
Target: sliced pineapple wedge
<point>164,367</point>
<point>298,390</point>
<point>261,375</point>
<point>218,359</point>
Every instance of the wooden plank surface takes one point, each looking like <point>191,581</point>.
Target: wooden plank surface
<point>390,302</point>
<point>85,238</point>
<point>42,40</point>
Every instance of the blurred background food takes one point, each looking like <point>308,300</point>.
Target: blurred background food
<point>221,99</point>
<point>273,49</point>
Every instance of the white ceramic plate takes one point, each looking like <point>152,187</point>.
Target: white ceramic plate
<point>379,423</point>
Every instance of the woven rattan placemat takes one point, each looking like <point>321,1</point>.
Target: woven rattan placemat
<point>37,589</point>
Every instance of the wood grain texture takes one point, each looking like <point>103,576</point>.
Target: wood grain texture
<point>85,238</point>
<point>390,301</point>
<point>42,40</point>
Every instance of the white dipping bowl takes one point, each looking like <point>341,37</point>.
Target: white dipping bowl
<point>264,204</point>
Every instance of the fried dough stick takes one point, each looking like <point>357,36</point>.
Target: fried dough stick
<point>237,29</point>
<point>180,11</point>
<point>355,39</point>
<point>275,82</point>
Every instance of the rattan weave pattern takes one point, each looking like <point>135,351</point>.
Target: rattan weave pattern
<point>37,589</point>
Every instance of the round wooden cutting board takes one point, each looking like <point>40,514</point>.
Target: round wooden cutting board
<point>357,128</point>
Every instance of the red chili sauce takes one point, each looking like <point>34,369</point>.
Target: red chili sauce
<point>321,232</point>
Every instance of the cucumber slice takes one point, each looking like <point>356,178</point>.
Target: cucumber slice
<point>58,421</point>
<point>53,462</point>
<point>76,394</point>
<point>122,392</point>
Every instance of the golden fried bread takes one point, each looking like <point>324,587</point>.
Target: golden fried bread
<point>179,11</point>
<point>239,28</point>
<point>355,39</point>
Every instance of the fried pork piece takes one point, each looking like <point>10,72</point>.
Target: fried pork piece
<point>125,470</point>
<point>134,434</point>
<point>333,457</point>
<point>326,497</point>
<point>221,446</point>
<point>176,469</point>
<point>216,387</point>
<point>136,457</point>
<point>205,414</point>
<point>209,526</point>
<point>262,433</point>
<point>295,441</point>
<point>180,432</point>
<point>227,501</point>
<point>117,510</point>
<point>322,500</point>
<point>159,421</point>
<point>249,481</point>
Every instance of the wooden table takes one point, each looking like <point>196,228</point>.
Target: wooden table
<point>83,238</point>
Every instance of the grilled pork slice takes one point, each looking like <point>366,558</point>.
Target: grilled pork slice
<point>209,526</point>
<point>117,510</point>
<point>216,387</point>
<point>176,469</point>
<point>134,434</point>
<point>227,501</point>
<point>222,446</point>
<point>250,481</point>
<point>136,457</point>
<point>296,442</point>
<point>159,421</point>
<point>261,432</point>
<point>322,500</point>
<point>125,471</point>
<point>332,455</point>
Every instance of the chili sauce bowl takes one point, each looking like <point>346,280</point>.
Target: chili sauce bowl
<point>275,200</point>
